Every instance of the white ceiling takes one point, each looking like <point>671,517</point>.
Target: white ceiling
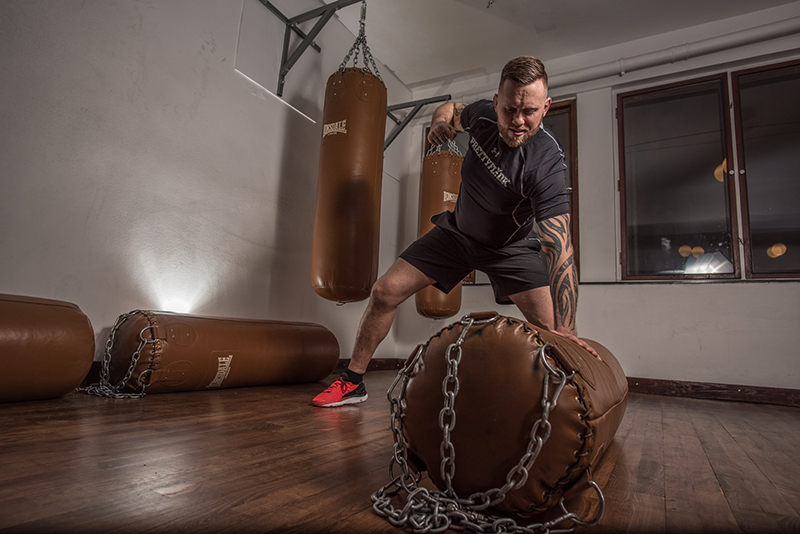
<point>423,41</point>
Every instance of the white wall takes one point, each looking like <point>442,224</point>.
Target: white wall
<point>140,170</point>
<point>737,333</point>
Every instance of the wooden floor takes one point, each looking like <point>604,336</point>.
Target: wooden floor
<point>264,460</point>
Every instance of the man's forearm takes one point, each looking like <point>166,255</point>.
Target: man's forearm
<point>449,113</point>
<point>443,113</point>
<point>557,246</point>
<point>445,122</point>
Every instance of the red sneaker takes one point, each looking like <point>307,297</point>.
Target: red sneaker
<point>341,392</point>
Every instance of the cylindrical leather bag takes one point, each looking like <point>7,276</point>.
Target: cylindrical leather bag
<point>499,399</point>
<point>179,352</point>
<point>344,256</point>
<point>439,186</point>
<point>46,348</point>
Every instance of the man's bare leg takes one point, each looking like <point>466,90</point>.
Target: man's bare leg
<point>400,282</point>
<point>537,306</point>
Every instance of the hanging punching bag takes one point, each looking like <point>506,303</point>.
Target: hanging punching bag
<point>438,191</point>
<point>344,257</point>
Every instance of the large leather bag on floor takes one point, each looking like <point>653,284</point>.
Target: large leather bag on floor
<point>500,397</point>
<point>347,220</point>
<point>440,183</point>
<point>160,352</point>
<point>46,347</point>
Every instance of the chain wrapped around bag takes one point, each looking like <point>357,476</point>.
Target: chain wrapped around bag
<point>437,511</point>
<point>104,388</point>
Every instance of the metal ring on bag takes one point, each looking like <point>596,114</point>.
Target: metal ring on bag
<point>146,340</point>
<point>143,375</point>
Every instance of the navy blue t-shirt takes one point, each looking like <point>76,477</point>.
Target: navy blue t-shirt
<point>505,190</point>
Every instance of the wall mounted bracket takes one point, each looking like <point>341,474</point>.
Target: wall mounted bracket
<point>288,60</point>
<point>417,105</point>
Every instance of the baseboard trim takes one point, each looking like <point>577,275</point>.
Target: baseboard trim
<point>375,364</point>
<point>711,391</point>
<point>654,386</point>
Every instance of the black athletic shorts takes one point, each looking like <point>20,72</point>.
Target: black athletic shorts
<point>447,256</point>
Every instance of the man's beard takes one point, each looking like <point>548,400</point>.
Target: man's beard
<point>512,140</point>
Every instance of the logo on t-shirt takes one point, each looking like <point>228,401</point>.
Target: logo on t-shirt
<point>493,169</point>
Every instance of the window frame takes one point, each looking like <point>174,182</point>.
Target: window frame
<point>570,107</point>
<point>741,168</point>
<point>731,206</point>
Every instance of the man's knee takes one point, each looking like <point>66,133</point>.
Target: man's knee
<point>400,282</point>
<point>386,292</point>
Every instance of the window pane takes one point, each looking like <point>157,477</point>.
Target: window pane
<point>559,122</point>
<point>558,125</point>
<point>770,121</point>
<point>677,213</point>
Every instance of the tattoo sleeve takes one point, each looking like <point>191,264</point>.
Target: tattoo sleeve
<point>557,246</point>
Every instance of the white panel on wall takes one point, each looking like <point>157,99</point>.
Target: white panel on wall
<point>728,333</point>
<point>258,48</point>
<point>597,187</point>
<point>259,52</point>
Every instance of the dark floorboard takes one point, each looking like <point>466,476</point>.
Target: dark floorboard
<point>264,460</point>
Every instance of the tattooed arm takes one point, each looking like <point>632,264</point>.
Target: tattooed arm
<point>557,246</point>
<point>446,121</point>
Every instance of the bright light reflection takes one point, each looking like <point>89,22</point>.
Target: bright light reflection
<point>178,281</point>
<point>708,264</point>
<point>181,291</point>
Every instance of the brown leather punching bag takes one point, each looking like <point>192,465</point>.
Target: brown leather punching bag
<point>535,414</point>
<point>160,352</point>
<point>46,347</point>
<point>344,257</point>
<point>438,191</point>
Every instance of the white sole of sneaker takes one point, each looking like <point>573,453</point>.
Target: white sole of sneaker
<point>351,400</point>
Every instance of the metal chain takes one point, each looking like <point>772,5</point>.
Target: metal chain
<point>436,511</point>
<point>451,147</point>
<point>361,41</point>
<point>104,388</point>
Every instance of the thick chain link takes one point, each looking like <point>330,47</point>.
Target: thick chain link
<point>451,146</point>
<point>436,511</point>
<point>104,388</point>
<point>361,41</point>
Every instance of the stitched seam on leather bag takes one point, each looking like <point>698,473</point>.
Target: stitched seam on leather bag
<point>565,482</point>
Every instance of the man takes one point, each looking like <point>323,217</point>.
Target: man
<point>512,178</point>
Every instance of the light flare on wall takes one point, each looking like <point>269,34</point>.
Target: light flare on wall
<point>175,278</point>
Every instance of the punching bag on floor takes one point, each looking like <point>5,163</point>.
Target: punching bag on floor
<point>438,191</point>
<point>160,352</point>
<point>344,257</point>
<point>46,347</point>
<point>535,414</point>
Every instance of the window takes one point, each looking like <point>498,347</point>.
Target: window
<point>561,122</point>
<point>678,177</point>
<point>768,141</point>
